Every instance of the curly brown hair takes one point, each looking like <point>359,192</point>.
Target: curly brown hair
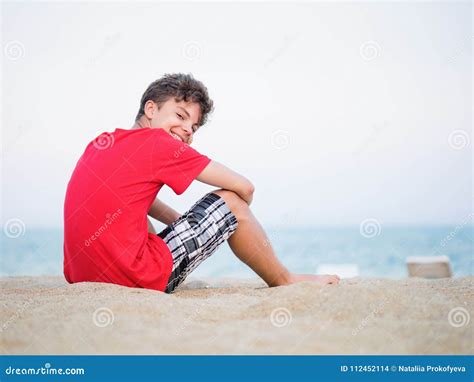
<point>183,87</point>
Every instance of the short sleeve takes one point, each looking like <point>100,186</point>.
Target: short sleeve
<point>175,163</point>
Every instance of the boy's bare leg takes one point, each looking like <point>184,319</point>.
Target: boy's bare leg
<point>251,245</point>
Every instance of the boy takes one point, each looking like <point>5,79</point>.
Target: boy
<point>107,236</point>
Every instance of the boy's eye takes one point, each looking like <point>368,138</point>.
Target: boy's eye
<point>180,116</point>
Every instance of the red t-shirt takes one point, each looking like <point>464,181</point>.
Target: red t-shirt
<point>114,183</point>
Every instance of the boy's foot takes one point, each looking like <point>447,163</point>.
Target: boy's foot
<point>318,279</point>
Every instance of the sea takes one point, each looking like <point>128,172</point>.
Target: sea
<point>379,253</point>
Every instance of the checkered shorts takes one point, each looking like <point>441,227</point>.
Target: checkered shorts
<point>196,235</point>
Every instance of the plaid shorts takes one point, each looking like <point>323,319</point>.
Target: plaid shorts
<point>196,235</point>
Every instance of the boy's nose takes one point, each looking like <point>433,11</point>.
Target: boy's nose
<point>188,130</point>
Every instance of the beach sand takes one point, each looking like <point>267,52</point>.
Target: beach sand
<point>45,315</point>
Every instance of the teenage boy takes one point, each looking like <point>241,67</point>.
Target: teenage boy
<point>107,236</point>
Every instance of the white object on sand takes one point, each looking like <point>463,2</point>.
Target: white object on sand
<point>429,267</point>
<point>344,271</point>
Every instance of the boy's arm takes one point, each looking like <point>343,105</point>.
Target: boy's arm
<point>216,174</point>
<point>162,212</point>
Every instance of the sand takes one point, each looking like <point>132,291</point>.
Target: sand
<point>45,315</point>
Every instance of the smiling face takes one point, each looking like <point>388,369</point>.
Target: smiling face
<point>180,119</point>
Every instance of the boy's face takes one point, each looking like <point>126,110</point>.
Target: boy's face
<point>179,119</point>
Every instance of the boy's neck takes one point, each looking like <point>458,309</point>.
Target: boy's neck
<point>141,123</point>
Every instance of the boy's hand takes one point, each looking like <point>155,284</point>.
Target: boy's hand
<point>216,174</point>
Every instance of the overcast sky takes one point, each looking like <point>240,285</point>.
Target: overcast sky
<point>336,112</point>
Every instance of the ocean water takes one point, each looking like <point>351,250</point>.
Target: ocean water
<point>302,249</point>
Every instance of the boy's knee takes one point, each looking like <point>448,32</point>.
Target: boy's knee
<point>236,204</point>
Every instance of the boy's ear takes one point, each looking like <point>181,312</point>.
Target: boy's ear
<point>149,109</point>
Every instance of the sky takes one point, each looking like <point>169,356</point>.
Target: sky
<point>337,112</point>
